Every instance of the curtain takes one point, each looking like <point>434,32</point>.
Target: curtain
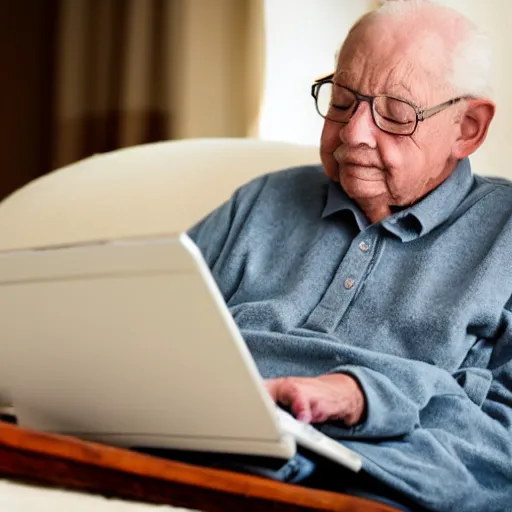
<point>129,72</point>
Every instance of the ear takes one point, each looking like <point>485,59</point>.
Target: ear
<point>474,124</point>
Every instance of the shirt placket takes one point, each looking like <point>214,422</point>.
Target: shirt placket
<point>344,287</point>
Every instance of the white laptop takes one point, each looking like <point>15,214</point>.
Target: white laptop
<point>130,343</point>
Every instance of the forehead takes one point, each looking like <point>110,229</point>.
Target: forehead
<point>384,60</point>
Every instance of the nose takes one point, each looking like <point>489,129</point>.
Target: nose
<point>360,130</point>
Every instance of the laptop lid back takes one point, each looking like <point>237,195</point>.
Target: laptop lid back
<point>130,343</point>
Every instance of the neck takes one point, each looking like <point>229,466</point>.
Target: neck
<point>375,212</point>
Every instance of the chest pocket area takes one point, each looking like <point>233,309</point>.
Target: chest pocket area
<point>475,382</point>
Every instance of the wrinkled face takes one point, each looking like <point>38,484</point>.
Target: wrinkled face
<point>370,164</point>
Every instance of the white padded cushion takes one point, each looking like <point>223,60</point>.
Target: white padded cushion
<point>148,190</point>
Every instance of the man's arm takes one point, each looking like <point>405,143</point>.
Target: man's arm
<point>445,439</point>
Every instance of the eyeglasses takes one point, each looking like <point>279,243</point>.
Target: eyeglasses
<point>392,115</point>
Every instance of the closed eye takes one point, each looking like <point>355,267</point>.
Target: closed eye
<point>394,121</point>
<point>340,107</point>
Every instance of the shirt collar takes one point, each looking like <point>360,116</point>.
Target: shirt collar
<point>418,219</point>
<point>338,201</point>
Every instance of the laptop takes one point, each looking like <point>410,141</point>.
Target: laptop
<point>130,343</point>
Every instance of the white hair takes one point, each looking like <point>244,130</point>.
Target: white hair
<point>470,69</point>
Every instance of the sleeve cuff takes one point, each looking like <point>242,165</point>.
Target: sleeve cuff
<point>388,412</point>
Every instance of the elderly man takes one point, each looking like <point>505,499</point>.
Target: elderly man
<point>376,297</point>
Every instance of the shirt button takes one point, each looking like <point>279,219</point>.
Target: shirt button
<point>364,246</point>
<point>349,283</point>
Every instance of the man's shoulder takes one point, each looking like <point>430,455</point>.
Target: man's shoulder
<point>490,197</point>
<point>311,172</point>
<point>493,183</point>
<point>302,176</point>
<point>291,195</point>
<point>292,183</point>
<point>496,193</point>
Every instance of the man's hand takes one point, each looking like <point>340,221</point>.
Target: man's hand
<point>319,399</point>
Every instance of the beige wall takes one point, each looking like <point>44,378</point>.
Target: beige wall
<point>302,36</point>
<point>495,17</point>
<point>219,59</point>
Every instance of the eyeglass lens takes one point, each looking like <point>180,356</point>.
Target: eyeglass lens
<point>392,115</point>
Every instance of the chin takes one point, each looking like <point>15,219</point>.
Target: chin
<point>360,189</point>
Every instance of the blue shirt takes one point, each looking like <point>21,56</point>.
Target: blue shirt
<point>417,307</point>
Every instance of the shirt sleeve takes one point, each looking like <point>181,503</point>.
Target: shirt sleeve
<point>445,438</point>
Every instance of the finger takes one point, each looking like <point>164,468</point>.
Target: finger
<point>301,408</point>
<point>319,414</point>
<point>290,393</point>
<point>284,391</point>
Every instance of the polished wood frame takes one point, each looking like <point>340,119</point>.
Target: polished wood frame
<point>69,463</point>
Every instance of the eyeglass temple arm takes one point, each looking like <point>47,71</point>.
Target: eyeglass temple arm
<point>324,78</point>
<point>425,114</point>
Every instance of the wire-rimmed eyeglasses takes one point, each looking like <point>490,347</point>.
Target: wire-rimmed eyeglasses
<point>392,115</point>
